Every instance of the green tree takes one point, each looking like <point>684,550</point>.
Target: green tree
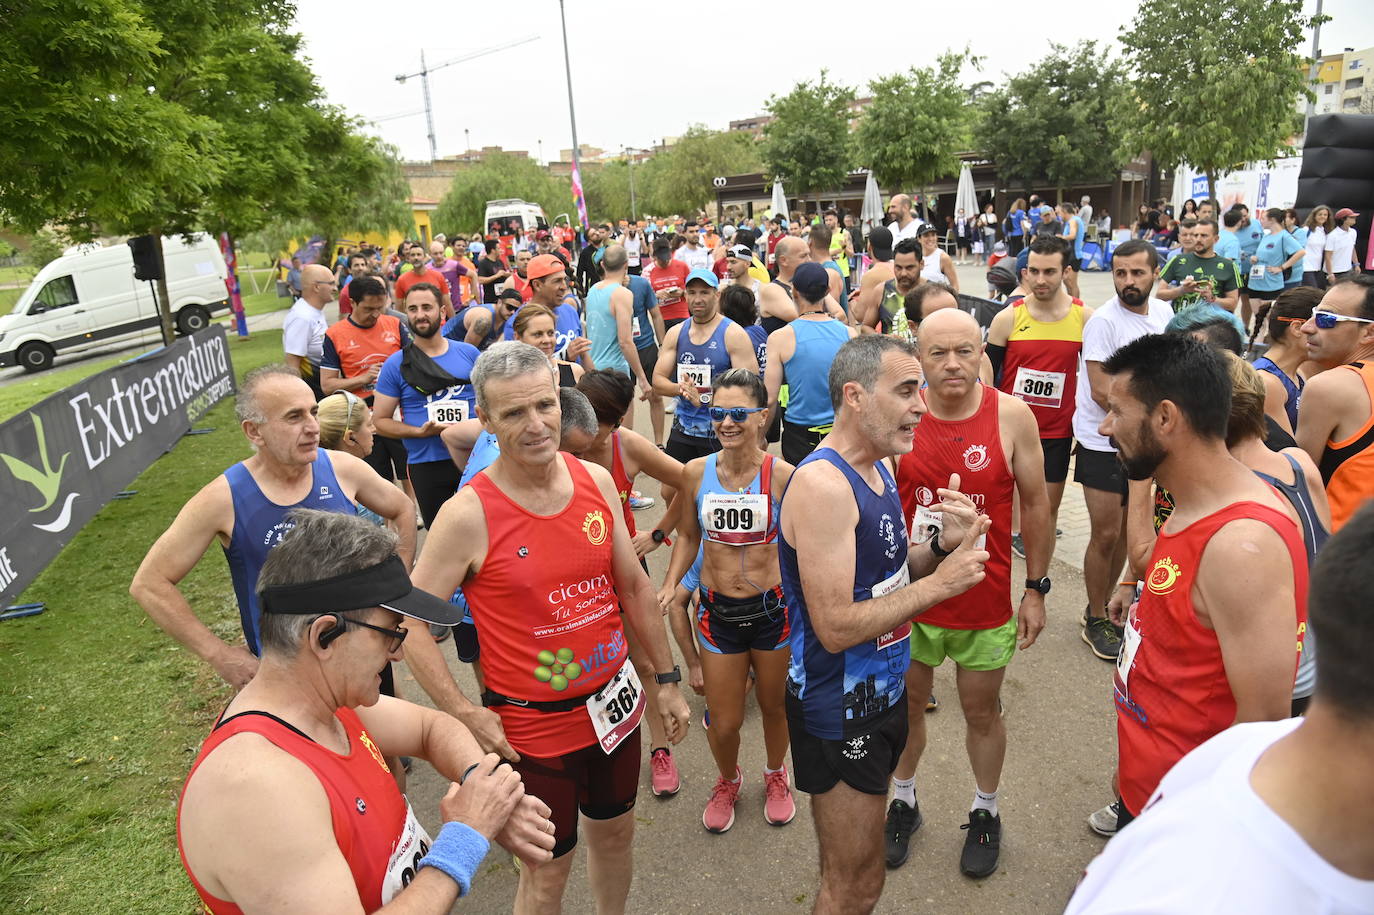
<point>1228,96</point>
<point>806,145</point>
<point>498,176</point>
<point>679,179</point>
<point>608,189</point>
<point>1055,121</point>
<point>917,123</point>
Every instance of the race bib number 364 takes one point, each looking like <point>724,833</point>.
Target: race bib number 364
<point>616,708</point>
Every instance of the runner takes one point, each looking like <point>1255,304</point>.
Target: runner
<point>1212,639</point>
<point>490,271</point>
<point>1034,347</point>
<point>421,272</point>
<point>1295,828</point>
<point>990,443</point>
<point>1339,257</point>
<point>1336,418</point>
<point>448,268</point>
<point>566,701</point>
<point>535,325</point>
<point>358,266</point>
<point>669,279</point>
<point>742,621</point>
<point>520,280</point>
<point>872,285</point>
<point>610,324</point>
<point>482,325</point>
<point>891,317</point>
<point>549,287</point>
<point>1200,275</point>
<point>694,254</point>
<point>1287,351</point>
<point>1075,233</point>
<point>818,248</point>
<point>303,815</point>
<point>777,306</point>
<point>304,327</point>
<point>802,354</point>
<point>936,265</point>
<point>692,355</point>
<point>1275,256</point>
<point>1131,313</point>
<point>841,251</point>
<point>245,509</point>
<point>428,381</point>
<point>850,606</point>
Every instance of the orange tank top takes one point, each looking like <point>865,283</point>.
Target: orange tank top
<point>1171,690</point>
<point>1348,466</point>
<point>376,831</point>
<point>546,611</point>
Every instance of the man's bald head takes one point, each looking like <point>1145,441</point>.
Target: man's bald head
<point>794,248</point>
<point>949,323</point>
<point>317,285</point>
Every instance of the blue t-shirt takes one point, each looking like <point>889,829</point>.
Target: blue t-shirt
<point>641,324</point>
<point>415,409</point>
<point>484,453</point>
<point>567,324</point>
<point>1228,246</point>
<point>1299,234</point>
<point>1015,216</point>
<point>1249,240</point>
<point>849,693</point>
<point>1272,250</point>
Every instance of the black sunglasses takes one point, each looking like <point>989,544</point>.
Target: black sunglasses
<point>398,635</point>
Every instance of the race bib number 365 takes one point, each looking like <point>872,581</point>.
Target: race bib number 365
<point>447,411</point>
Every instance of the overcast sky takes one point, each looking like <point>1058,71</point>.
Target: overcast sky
<point>648,74</point>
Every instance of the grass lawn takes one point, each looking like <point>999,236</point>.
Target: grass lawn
<point>100,712</point>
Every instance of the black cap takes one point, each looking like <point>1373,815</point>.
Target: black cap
<point>385,585</point>
<point>881,240</point>
<point>812,281</point>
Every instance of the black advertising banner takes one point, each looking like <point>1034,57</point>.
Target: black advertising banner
<point>64,458</point>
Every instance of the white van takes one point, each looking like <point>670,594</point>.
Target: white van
<point>88,297</point>
<point>513,218</point>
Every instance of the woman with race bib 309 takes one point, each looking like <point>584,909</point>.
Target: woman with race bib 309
<point>742,619</point>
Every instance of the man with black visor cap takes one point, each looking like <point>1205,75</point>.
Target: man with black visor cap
<point>290,804</point>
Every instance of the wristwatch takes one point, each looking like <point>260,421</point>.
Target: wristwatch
<point>672,676</point>
<point>658,535</point>
<point>1038,584</point>
<point>935,546</point>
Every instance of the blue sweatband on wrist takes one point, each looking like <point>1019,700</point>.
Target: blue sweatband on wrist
<point>457,852</point>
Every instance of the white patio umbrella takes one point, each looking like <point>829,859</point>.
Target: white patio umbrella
<point>1180,189</point>
<point>871,213</point>
<point>779,200</point>
<point>965,198</point>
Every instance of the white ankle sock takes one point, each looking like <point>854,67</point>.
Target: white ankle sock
<point>768,771</point>
<point>904,790</point>
<point>983,801</point>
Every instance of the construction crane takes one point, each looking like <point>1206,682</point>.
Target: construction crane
<point>426,70</point>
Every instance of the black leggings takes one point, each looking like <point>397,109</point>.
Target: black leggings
<point>434,482</point>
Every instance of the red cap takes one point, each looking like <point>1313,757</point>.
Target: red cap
<point>1343,213</point>
<point>542,266</point>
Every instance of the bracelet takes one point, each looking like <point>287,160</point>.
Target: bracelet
<point>1127,584</point>
<point>457,852</point>
<point>466,772</point>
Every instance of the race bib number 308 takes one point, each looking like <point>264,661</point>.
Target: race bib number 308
<point>1044,389</point>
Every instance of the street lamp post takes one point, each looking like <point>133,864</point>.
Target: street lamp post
<point>572,115</point>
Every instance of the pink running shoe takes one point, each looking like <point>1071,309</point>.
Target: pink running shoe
<point>778,806</point>
<point>720,809</point>
<point>663,772</point>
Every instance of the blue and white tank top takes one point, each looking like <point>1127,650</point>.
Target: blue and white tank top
<point>758,335</point>
<point>701,362</point>
<point>847,694</point>
<point>1293,390</point>
<point>259,525</point>
<point>737,518</point>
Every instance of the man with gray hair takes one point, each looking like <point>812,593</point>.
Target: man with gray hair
<point>290,805</point>
<point>245,510</point>
<point>562,699</point>
<point>852,599</point>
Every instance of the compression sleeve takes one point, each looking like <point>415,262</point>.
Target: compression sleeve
<point>996,355</point>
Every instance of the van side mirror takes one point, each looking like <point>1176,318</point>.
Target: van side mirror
<point>37,308</point>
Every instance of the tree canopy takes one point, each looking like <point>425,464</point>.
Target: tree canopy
<point>911,132</point>
<point>807,145</point>
<point>1214,86</point>
<point>1055,121</point>
<point>498,176</point>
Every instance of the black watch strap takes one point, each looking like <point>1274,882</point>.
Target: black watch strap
<point>672,676</point>
<point>657,535</point>
<point>935,546</point>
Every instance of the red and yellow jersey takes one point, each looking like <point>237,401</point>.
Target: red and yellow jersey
<point>1041,366</point>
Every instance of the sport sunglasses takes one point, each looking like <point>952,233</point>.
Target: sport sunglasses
<point>1325,320</point>
<point>738,414</point>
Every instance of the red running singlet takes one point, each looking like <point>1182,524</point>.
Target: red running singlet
<point>622,483</point>
<point>377,833</point>
<point>971,448</point>
<point>546,611</point>
<point>1171,688</point>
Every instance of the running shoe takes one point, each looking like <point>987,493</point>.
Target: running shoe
<point>932,703</point>
<point>663,773</point>
<point>1103,822</point>
<point>778,806</point>
<point>1018,546</point>
<point>638,502</point>
<point>982,844</point>
<point>719,815</point>
<point>902,823</point>
<point>1102,637</point>
<point>706,719</point>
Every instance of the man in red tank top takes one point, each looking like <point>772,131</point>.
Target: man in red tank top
<point>543,557</point>
<point>1214,639</point>
<point>986,442</point>
<point>290,805</point>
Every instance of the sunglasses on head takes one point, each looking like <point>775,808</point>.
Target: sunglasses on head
<point>738,414</point>
<point>1325,320</point>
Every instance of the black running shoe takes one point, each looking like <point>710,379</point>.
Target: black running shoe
<point>1018,546</point>
<point>1102,637</point>
<point>982,845</point>
<point>902,822</point>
